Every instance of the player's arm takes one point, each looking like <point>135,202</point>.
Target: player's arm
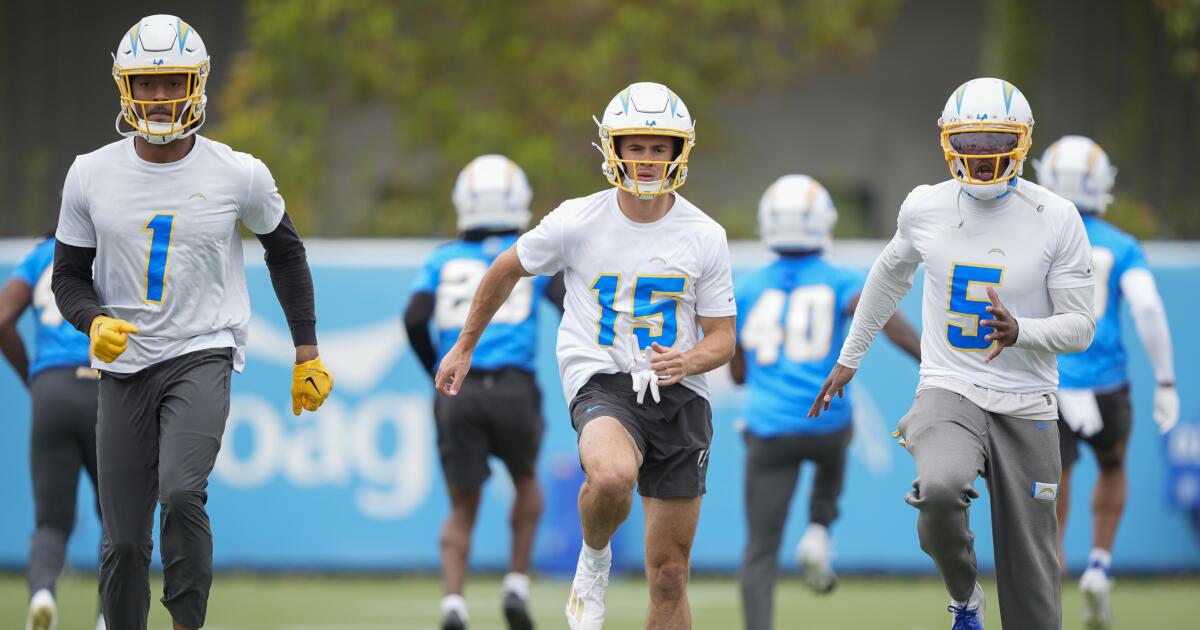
<point>1069,329</point>
<point>493,290</point>
<point>416,324</point>
<point>71,282</point>
<point>14,298</point>
<point>556,291</point>
<point>737,365</point>
<point>899,331</point>
<point>713,351</point>
<point>1150,319</point>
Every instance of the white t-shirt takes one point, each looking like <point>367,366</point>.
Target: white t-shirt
<point>168,250</point>
<point>1022,251</point>
<point>650,278</point>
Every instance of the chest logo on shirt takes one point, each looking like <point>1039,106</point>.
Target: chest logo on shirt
<point>654,319</point>
<point>963,311</point>
<point>996,250</point>
<point>197,195</point>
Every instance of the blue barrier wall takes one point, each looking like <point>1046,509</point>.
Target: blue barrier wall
<point>357,486</point>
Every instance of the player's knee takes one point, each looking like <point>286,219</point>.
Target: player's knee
<point>129,551</point>
<point>175,499</point>
<point>1111,461</point>
<point>668,579</point>
<point>942,495</point>
<point>611,481</point>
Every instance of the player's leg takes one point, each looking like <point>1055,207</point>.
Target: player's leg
<point>828,453</point>
<point>54,462</point>
<point>944,433</point>
<point>85,413</point>
<point>193,409</point>
<point>1068,449</point>
<point>670,529</point>
<point>1023,470</point>
<point>127,436</point>
<point>772,471</point>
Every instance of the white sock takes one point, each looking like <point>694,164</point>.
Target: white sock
<point>598,555</point>
<point>517,583</point>
<point>974,601</point>
<point>817,531</point>
<point>1102,557</point>
<point>455,603</point>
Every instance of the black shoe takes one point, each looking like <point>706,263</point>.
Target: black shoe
<point>451,621</point>
<point>516,612</point>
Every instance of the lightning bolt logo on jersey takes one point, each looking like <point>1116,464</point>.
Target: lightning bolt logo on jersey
<point>58,344</point>
<point>452,274</point>
<point>1103,363</point>
<point>796,313</point>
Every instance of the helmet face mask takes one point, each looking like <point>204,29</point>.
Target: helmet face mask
<point>161,45</point>
<point>186,111</point>
<point>645,109</point>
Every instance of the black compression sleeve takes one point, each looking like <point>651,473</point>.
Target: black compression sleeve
<point>416,324</point>
<point>71,282</point>
<point>288,264</point>
<point>556,291</point>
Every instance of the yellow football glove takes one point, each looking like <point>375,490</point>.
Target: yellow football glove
<point>109,337</point>
<point>311,384</point>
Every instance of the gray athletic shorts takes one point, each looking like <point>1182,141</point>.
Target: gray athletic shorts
<point>1116,414</point>
<point>673,435</point>
<point>497,412</point>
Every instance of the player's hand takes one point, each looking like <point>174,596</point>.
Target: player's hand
<point>1005,325</point>
<point>311,384</point>
<point>453,370</point>
<point>1166,407</point>
<point>109,337</point>
<point>836,383</point>
<point>669,365</point>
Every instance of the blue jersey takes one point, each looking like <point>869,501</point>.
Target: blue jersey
<point>58,344</point>
<point>452,274</point>
<point>1102,365</point>
<point>793,322</point>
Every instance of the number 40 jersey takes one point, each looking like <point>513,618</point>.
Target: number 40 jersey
<point>168,247</point>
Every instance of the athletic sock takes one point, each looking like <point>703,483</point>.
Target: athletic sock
<point>455,603</point>
<point>1100,558</point>
<point>517,584</point>
<point>598,555</point>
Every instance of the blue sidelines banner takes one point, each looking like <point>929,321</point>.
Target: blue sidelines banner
<point>358,485</point>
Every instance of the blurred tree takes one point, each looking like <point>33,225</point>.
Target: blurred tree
<point>445,80</point>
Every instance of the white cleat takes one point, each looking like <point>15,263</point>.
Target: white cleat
<point>585,605</point>
<point>100,625</point>
<point>1095,585</point>
<point>43,614</point>
<point>814,554</point>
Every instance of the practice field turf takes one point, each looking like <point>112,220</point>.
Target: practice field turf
<point>268,602</point>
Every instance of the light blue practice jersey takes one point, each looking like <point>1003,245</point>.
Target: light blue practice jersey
<point>57,342</point>
<point>1102,365</point>
<point>452,274</point>
<point>792,318</point>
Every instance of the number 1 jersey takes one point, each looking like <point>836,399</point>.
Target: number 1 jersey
<point>651,280</point>
<point>168,248</point>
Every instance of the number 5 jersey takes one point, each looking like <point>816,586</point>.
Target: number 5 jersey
<point>168,248</point>
<point>651,280</point>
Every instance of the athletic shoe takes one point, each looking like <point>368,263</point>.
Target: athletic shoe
<point>451,621</point>
<point>43,615</point>
<point>454,612</point>
<point>100,625</point>
<point>516,612</point>
<point>1095,585</point>
<point>968,616</point>
<point>813,553</point>
<point>585,605</point>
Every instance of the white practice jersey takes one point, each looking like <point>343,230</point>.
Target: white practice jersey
<point>651,279</point>
<point>1019,249</point>
<point>168,248</point>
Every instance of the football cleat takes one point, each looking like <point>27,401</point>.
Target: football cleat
<point>516,612</point>
<point>813,553</point>
<point>1095,584</point>
<point>585,605</point>
<point>968,616</point>
<point>43,614</point>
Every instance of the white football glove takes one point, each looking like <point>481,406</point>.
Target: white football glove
<point>1166,407</point>
<point>1080,411</point>
<point>638,366</point>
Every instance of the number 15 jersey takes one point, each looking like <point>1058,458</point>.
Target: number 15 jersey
<point>168,249</point>
<point>651,279</point>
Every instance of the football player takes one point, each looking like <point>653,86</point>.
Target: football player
<point>498,410</point>
<point>62,387</point>
<point>646,271</point>
<point>158,213</point>
<point>1093,385</point>
<point>795,315</point>
<point>1008,285</point>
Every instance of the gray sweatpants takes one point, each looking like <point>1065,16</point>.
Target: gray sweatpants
<point>953,441</point>
<point>62,441</point>
<point>772,471</point>
<point>158,436</point>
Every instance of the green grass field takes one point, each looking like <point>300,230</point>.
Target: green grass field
<point>291,602</point>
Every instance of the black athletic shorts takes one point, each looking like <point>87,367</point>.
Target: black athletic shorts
<point>497,412</point>
<point>1116,413</point>
<point>673,435</point>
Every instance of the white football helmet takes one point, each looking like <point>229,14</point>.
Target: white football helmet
<point>990,120</point>
<point>161,44</point>
<point>645,109</point>
<point>796,213</point>
<point>492,192</point>
<point>1077,168</point>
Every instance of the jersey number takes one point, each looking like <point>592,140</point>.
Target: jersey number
<point>161,226</point>
<point>654,319</point>
<point>970,337</point>
<point>1102,264</point>
<point>807,332</point>
<point>456,288</point>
